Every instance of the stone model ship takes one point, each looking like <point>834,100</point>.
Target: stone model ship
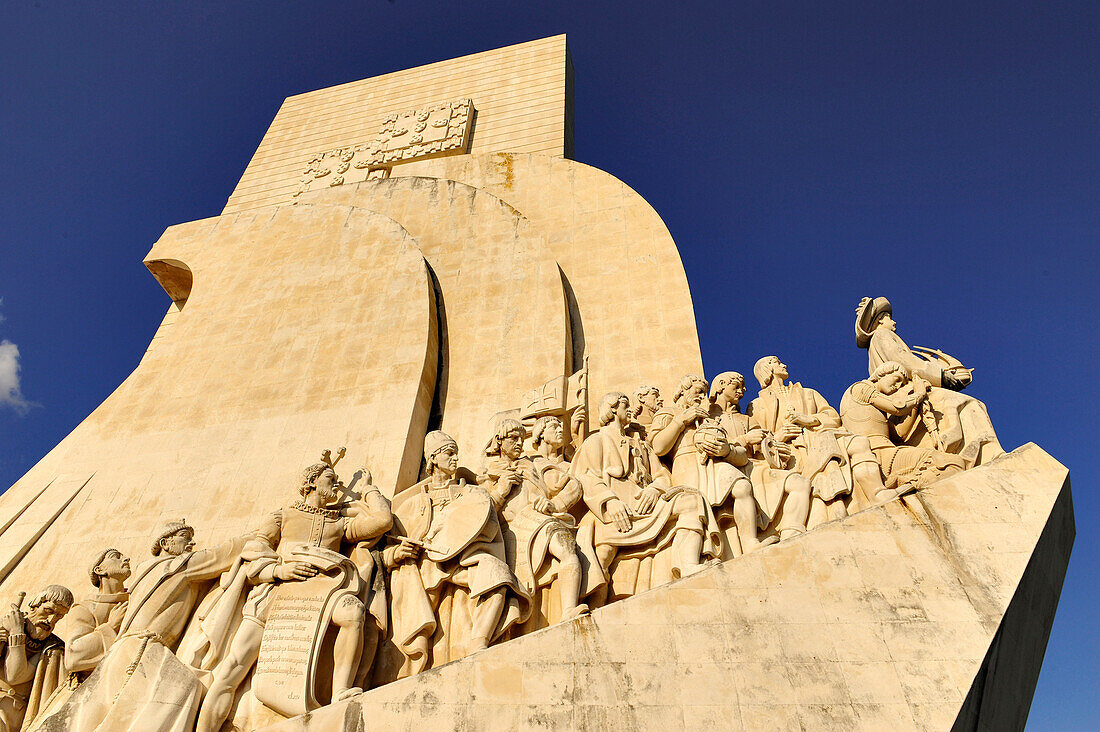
<point>542,515</point>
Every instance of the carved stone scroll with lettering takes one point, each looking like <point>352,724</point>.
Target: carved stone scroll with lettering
<point>295,628</point>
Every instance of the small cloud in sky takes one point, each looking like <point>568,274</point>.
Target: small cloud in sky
<point>10,393</point>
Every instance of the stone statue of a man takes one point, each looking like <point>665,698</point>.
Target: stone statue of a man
<point>885,407</point>
<point>831,458</point>
<point>292,536</point>
<point>956,423</point>
<point>782,495</point>
<point>635,511</point>
<point>538,530</point>
<point>702,457</point>
<point>448,545</point>
<point>95,621</point>
<point>140,682</point>
<point>647,402</point>
<point>31,663</point>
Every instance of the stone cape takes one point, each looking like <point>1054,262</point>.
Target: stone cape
<point>140,686</point>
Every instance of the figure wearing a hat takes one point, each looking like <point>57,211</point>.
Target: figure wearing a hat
<point>140,666</point>
<point>963,423</point>
<point>453,592</point>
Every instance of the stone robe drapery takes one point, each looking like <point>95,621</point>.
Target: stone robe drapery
<point>23,702</point>
<point>92,636</point>
<point>140,684</point>
<point>768,483</point>
<point>90,639</point>
<point>431,616</point>
<point>823,454</point>
<point>527,533</point>
<point>612,465</point>
<point>963,421</point>
<point>902,465</point>
<point>293,526</point>
<point>714,478</point>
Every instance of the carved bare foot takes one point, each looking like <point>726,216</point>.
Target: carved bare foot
<point>785,534</point>
<point>348,693</point>
<point>579,611</point>
<point>760,544</point>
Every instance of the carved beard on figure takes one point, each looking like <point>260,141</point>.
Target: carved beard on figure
<point>39,629</point>
<point>327,495</point>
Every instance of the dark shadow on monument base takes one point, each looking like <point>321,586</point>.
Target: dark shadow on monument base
<point>1000,697</point>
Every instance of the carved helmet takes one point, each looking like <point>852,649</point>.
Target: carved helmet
<point>867,313</point>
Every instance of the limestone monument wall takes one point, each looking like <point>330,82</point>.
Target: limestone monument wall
<point>424,438</point>
<point>522,94</point>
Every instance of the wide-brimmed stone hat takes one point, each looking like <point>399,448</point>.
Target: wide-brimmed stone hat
<point>866,314</point>
<point>170,528</point>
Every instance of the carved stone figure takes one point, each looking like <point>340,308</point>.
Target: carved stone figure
<point>635,512</point>
<point>93,624</point>
<point>96,620</point>
<point>832,459</point>
<point>538,530</point>
<point>783,496</point>
<point>702,457</point>
<point>548,446</point>
<point>951,421</point>
<point>647,402</point>
<point>885,408</point>
<point>302,585</point>
<point>452,590</point>
<point>31,662</point>
<point>140,684</point>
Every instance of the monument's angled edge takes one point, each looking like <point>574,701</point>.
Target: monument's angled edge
<point>412,448</point>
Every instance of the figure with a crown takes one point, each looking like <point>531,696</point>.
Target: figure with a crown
<point>303,585</point>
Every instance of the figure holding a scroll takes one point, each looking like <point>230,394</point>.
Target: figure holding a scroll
<point>302,585</point>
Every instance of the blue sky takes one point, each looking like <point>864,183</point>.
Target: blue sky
<point>803,155</point>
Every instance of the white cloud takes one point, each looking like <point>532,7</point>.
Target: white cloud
<point>10,394</point>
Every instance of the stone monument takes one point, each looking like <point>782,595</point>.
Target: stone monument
<point>554,519</point>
